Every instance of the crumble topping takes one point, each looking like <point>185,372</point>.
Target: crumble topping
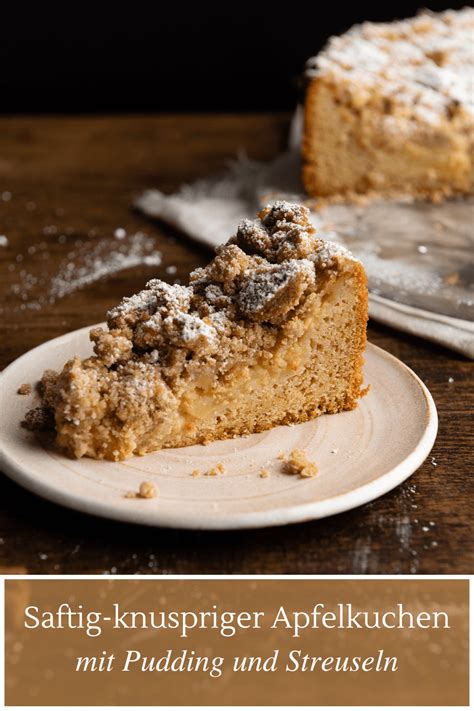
<point>424,66</point>
<point>259,275</point>
<point>39,419</point>
<point>273,292</point>
<point>194,331</point>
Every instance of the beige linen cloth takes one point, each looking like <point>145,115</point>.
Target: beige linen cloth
<point>210,209</point>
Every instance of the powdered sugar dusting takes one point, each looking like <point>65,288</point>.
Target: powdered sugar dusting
<point>265,287</point>
<point>424,65</point>
<point>86,263</point>
<point>193,328</point>
<point>329,251</point>
<point>401,277</point>
<point>74,275</point>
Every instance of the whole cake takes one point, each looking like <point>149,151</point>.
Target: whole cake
<point>389,109</point>
<point>271,332</point>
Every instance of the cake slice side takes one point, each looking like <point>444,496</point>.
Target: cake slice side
<point>271,332</point>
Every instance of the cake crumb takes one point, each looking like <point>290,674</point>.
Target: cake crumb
<point>298,463</point>
<point>452,279</point>
<point>24,389</point>
<point>215,471</point>
<point>39,419</point>
<point>264,473</point>
<point>334,451</point>
<point>146,490</point>
<point>195,473</point>
<point>281,456</point>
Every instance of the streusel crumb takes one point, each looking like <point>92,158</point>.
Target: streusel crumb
<point>146,490</point>
<point>264,473</point>
<point>24,389</point>
<point>298,463</point>
<point>39,419</point>
<point>218,469</point>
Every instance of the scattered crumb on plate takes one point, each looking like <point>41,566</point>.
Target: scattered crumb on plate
<point>146,490</point>
<point>218,469</point>
<point>39,419</point>
<point>264,473</point>
<point>298,463</point>
<point>452,279</point>
<point>24,389</point>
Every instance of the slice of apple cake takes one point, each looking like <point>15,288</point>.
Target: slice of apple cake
<point>271,332</point>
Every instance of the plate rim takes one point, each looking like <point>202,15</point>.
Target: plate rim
<point>299,513</point>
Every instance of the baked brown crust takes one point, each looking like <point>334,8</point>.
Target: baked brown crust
<point>271,332</point>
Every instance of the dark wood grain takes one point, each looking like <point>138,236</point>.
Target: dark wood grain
<point>79,174</point>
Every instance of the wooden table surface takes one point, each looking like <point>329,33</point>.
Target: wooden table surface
<point>64,180</point>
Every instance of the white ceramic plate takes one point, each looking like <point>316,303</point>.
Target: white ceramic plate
<point>360,454</point>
